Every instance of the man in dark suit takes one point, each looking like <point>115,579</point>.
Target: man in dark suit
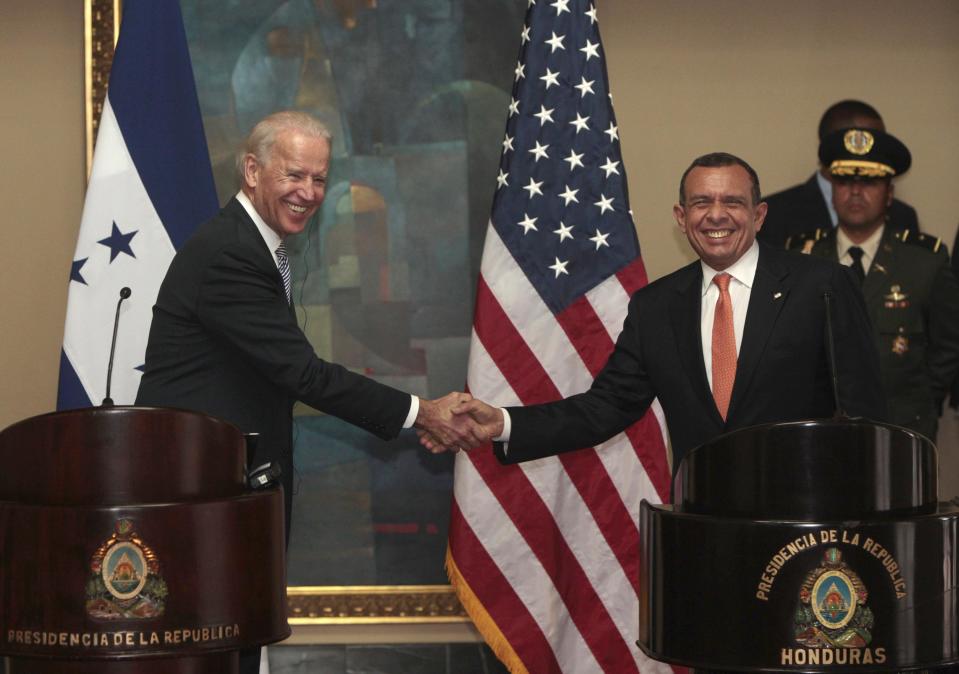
<point>808,206</point>
<point>909,286</point>
<point>224,338</point>
<point>734,339</point>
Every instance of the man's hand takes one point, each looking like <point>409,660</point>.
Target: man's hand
<point>440,430</point>
<point>488,418</point>
<point>487,423</point>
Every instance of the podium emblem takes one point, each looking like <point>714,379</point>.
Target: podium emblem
<point>125,581</point>
<point>832,610</point>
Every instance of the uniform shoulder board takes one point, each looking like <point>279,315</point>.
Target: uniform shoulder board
<point>806,240</point>
<point>927,241</point>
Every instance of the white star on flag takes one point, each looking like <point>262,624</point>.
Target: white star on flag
<point>610,167</point>
<point>591,49</point>
<point>564,231</point>
<point>561,6</point>
<point>569,195</point>
<point>600,239</point>
<point>513,106</point>
<point>550,78</point>
<point>527,223</point>
<point>604,203</point>
<point>559,267</point>
<point>613,132</point>
<point>580,123</point>
<point>507,143</point>
<point>574,159</point>
<point>520,71</point>
<point>555,42</point>
<point>545,115</point>
<point>534,188</point>
<point>501,179</point>
<point>585,87</point>
<point>524,36</point>
<point>591,13</point>
<point>539,152</point>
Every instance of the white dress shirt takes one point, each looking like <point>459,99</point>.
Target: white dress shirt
<point>743,273</point>
<point>869,248</point>
<point>272,240</point>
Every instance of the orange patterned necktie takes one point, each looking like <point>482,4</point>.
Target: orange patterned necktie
<point>724,346</point>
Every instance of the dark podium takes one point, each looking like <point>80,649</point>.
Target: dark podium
<point>810,546</point>
<point>130,543</point>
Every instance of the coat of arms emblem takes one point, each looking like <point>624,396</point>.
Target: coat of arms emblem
<point>125,579</point>
<point>858,141</point>
<point>832,610</point>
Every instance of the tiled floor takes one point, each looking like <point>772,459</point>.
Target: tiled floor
<point>368,659</point>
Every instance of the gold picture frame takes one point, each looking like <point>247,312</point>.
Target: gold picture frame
<point>308,605</point>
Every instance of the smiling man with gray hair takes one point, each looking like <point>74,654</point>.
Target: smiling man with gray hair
<point>224,338</point>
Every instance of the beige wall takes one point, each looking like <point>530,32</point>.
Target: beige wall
<point>753,77</point>
<point>689,76</point>
<point>42,179</point>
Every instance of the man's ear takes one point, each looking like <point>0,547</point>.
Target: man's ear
<point>251,171</point>
<point>680,214</point>
<point>761,211</point>
<point>890,194</point>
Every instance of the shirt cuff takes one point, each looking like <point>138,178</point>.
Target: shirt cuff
<point>507,427</point>
<point>414,410</point>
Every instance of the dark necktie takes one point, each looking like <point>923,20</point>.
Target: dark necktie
<point>855,252</point>
<point>283,265</point>
<point>724,346</point>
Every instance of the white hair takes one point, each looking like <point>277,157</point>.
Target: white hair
<point>263,136</point>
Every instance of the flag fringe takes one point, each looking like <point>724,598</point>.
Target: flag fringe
<point>481,618</point>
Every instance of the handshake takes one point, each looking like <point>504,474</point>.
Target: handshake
<point>457,421</point>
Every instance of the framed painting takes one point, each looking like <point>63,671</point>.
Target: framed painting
<point>415,94</point>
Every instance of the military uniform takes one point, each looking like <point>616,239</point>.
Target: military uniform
<point>913,300</point>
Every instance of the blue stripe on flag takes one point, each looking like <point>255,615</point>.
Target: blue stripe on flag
<point>153,95</point>
<point>70,393</point>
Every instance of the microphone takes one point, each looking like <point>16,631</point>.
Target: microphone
<point>124,293</point>
<point>831,354</point>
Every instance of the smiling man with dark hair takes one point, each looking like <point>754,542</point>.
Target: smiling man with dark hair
<point>735,339</point>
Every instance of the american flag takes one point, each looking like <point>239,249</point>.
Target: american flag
<point>544,555</point>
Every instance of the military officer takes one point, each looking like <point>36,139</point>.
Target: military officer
<point>909,286</point>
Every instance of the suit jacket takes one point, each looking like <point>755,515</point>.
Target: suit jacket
<point>912,297</point>
<point>802,208</point>
<point>781,375</point>
<point>224,341</point>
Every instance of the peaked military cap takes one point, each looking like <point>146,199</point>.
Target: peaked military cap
<point>866,153</point>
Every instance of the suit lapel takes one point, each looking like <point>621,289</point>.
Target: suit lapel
<point>255,239</point>
<point>685,317</point>
<point>767,298</point>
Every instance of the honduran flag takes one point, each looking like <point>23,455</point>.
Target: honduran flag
<point>150,186</point>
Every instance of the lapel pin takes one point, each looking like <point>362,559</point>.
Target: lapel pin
<point>776,296</point>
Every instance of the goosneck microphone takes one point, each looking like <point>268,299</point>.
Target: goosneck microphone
<point>831,353</point>
<point>124,293</point>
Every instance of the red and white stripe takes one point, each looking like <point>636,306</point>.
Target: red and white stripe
<point>545,554</point>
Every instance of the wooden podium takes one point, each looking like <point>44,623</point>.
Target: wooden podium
<point>129,542</point>
<point>808,547</point>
